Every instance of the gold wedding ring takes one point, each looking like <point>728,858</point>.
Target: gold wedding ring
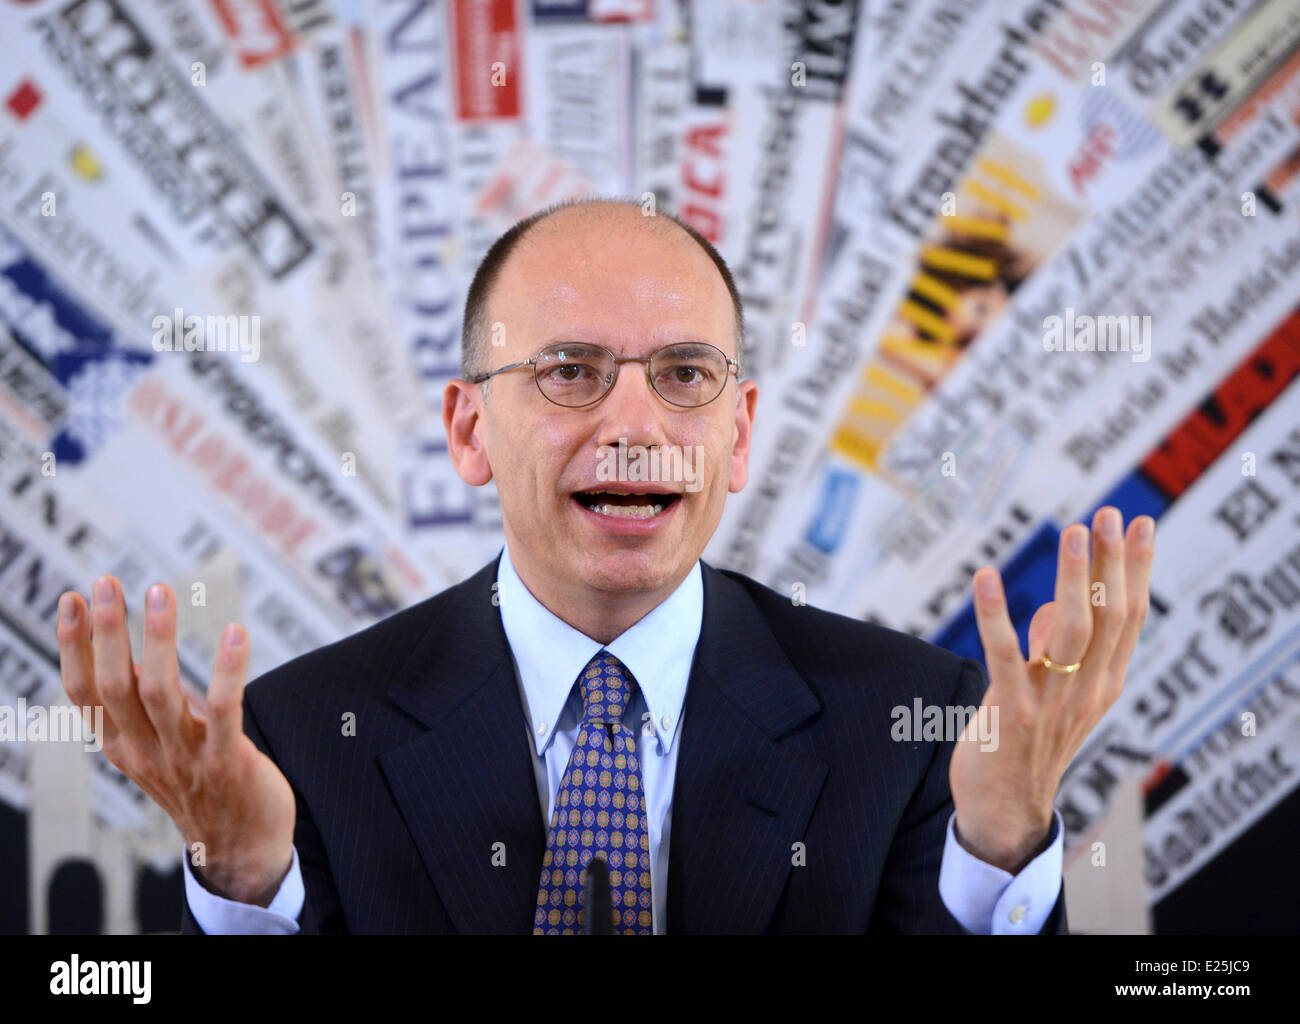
<point>1047,662</point>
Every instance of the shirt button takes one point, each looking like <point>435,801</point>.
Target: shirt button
<point>1017,914</point>
<point>666,721</point>
<point>541,728</point>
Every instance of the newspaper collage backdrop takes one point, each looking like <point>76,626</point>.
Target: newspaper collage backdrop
<point>1002,262</point>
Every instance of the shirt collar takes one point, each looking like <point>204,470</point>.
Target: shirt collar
<point>549,653</point>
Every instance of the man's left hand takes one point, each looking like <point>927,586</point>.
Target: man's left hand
<point>1004,796</point>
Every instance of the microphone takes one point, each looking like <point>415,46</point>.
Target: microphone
<point>596,899</point>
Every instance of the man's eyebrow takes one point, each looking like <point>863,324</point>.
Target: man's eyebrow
<point>566,339</point>
<point>572,344</point>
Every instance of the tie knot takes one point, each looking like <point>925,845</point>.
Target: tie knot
<point>606,687</point>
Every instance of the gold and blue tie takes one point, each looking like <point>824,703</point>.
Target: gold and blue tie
<point>599,812</point>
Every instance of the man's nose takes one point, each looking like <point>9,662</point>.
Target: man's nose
<point>631,409</point>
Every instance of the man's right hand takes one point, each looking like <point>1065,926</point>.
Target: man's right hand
<point>193,759</point>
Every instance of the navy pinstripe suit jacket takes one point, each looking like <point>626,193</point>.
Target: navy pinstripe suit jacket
<point>786,739</point>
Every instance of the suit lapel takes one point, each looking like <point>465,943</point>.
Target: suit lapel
<point>466,787</point>
<point>742,797</point>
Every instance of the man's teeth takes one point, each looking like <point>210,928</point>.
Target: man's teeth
<point>628,511</point>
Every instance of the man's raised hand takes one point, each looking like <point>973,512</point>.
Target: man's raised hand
<point>194,761</point>
<point>1004,796</point>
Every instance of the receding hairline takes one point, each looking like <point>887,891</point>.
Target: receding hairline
<point>531,228</point>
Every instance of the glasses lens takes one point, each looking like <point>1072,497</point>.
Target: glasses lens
<point>574,374</point>
<point>689,374</point>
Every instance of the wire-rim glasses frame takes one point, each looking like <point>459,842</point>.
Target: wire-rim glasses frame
<point>610,379</point>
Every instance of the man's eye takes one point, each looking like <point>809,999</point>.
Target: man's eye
<point>568,373</point>
<point>685,373</point>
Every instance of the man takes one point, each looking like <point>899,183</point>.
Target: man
<point>598,691</point>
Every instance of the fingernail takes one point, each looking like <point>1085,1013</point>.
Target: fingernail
<point>157,599</point>
<point>1146,529</point>
<point>1076,543</point>
<point>231,638</point>
<point>68,609</point>
<point>103,590</point>
<point>1110,528</point>
<point>987,585</point>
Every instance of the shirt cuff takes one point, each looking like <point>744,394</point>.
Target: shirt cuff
<point>217,915</point>
<point>987,900</point>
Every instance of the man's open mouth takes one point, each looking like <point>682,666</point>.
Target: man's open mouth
<point>625,506</point>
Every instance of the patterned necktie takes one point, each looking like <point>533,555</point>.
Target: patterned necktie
<point>599,812</point>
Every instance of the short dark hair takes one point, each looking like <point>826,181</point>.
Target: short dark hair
<point>474,325</point>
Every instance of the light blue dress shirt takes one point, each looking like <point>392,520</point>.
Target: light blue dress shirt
<point>658,650</point>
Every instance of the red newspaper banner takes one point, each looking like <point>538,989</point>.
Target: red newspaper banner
<point>1199,439</point>
<point>486,47</point>
<point>256,29</point>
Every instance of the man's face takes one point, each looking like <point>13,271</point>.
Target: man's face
<point>610,280</point>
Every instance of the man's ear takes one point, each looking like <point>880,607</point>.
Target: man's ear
<point>462,415</point>
<point>746,405</point>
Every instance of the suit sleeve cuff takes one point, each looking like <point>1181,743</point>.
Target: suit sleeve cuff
<point>989,901</point>
<point>217,915</point>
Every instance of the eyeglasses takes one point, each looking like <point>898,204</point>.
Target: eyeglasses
<point>576,374</point>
